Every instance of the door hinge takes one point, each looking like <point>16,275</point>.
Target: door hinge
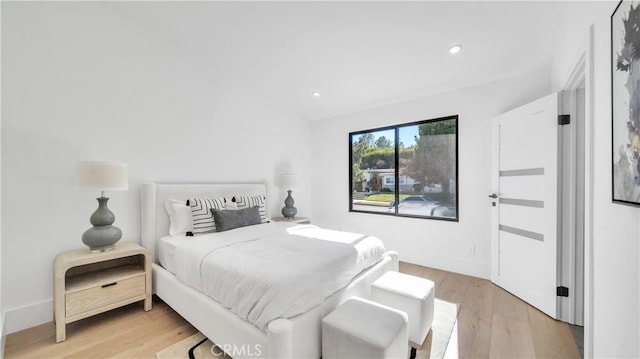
<point>564,120</point>
<point>562,291</point>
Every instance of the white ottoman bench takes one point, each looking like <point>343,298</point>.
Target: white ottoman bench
<point>412,295</point>
<point>360,328</point>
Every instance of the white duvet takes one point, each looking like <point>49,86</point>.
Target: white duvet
<point>273,270</point>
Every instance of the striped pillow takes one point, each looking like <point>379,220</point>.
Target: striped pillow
<point>201,212</point>
<point>253,201</point>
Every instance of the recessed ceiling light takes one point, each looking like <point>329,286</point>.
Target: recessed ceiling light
<point>455,49</point>
<point>316,94</point>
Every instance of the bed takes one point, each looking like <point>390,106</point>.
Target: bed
<point>291,336</point>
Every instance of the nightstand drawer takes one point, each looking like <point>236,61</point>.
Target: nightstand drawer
<point>99,296</point>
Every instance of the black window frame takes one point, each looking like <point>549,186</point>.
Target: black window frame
<point>396,129</point>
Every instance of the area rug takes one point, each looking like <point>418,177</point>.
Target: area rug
<point>434,347</point>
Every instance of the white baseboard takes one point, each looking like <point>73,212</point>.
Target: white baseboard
<point>28,316</point>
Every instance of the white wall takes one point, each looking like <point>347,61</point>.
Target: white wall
<point>80,82</point>
<point>613,291</point>
<point>616,231</point>
<point>433,243</point>
<point>2,321</point>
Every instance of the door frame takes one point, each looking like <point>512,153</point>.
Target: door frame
<point>589,112</point>
<point>582,74</point>
<point>571,247</point>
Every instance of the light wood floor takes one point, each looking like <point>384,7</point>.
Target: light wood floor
<point>494,323</point>
<point>491,323</point>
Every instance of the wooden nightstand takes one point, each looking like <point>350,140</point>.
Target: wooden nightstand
<point>87,283</point>
<point>298,220</point>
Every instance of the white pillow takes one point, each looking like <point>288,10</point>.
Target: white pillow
<point>202,218</point>
<point>180,218</point>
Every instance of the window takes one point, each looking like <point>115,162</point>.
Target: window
<point>408,170</point>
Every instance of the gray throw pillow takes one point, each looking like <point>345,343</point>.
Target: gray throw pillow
<point>230,219</point>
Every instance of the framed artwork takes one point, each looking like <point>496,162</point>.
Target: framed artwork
<point>625,102</point>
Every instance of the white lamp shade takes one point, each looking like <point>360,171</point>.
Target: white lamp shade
<point>104,176</point>
<point>287,181</point>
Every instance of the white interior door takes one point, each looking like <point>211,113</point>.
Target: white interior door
<point>525,222</point>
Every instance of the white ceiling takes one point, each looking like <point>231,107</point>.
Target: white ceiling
<point>358,55</point>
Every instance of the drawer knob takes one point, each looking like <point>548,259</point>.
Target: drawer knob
<point>109,285</point>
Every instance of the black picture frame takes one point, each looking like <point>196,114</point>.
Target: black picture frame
<point>625,103</point>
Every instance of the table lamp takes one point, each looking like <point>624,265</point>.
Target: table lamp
<point>288,181</point>
<point>103,176</point>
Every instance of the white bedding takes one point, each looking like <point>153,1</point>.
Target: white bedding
<point>167,251</point>
<point>272,270</point>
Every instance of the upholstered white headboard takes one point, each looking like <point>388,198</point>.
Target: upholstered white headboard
<point>154,218</point>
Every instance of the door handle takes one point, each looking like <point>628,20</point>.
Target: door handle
<point>493,195</point>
